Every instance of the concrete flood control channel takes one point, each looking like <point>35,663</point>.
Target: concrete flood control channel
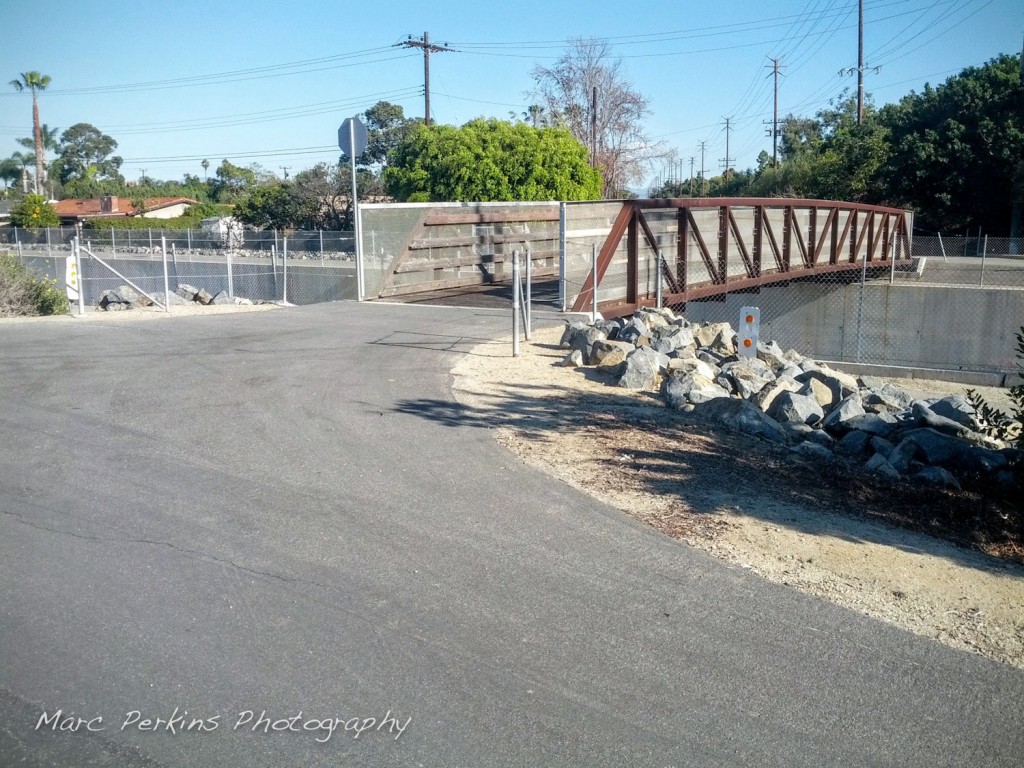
<point>257,514</point>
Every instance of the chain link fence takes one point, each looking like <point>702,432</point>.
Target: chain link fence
<point>297,267</point>
<point>956,312</point>
<point>955,305</point>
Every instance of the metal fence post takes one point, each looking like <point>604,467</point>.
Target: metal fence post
<point>515,303</point>
<point>561,256</point>
<point>190,239</point>
<point>860,301</point>
<point>113,247</point>
<point>167,287</point>
<point>892,261</point>
<point>273,260</point>
<point>77,250</point>
<point>150,230</point>
<point>360,256</point>
<point>984,252</point>
<point>284,270</point>
<point>528,313</point>
<point>593,253</point>
<point>941,246</point>
<point>657,278</point>
<point>321,245</point>
<point>231,281</point>
<point>48,251</point>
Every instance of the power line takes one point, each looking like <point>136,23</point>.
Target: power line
<point>210,79</point>
<point>425,44</point>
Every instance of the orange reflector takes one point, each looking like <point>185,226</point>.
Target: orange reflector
<point>746,342</point>
<point>750,318</point>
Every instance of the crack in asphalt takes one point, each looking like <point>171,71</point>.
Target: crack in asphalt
<point>184,550</point>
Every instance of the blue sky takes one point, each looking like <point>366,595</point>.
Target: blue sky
<point>270,83</point>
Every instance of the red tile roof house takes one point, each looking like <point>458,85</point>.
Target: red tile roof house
<point>72,211</point>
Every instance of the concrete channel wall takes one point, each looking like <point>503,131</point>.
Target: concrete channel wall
<point>918,327</point>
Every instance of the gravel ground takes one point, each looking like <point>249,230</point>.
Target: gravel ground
<point>905,555</point>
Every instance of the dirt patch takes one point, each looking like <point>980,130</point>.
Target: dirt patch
<point>941,564</point>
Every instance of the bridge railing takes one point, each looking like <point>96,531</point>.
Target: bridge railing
<point>713,246</point>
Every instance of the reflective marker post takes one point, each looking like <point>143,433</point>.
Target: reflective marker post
<point>750,327</point>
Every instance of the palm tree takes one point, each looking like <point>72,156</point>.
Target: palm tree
<point>205,164</point>
<point>35,81</point>
<point>48,139</point>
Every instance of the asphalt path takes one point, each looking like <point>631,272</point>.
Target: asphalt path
<point>264,514</point>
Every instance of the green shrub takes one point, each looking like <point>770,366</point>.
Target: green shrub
<point>1004,426</point>
<point>33,212</point>
<point>22,293</point>
<point>190,220</point>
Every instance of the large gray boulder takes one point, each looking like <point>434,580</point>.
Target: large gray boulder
<point>854,443</point>
<point>691,388</point>
<point>571,327</point>
<point>113,301</point>
<point>583,339</point>
<point>957,408</point>
<point>771,353</point>
<point>186,291</point>
<point>683,365</point>
<point>745,378</point>
<point>839,384</point>
<point>705,335</point>
<point>604,352</point>
<point>741,416</point>
<point>901,456</point>
<point>642,368</point>
<point>879,465</point>
<point>635,331</point>
<point>872,423</point>
<point>925,417</point>
<point>839,417</point>
<point>820,391</point>
<point>937,477</point>
<point>813,450</point>
<point>936,447</point>
<point>765,398</point>
<point>792,406</point>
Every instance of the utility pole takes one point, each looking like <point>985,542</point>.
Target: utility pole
<point>728,160</point>
<point>284,169</point>
<point>424,43</point>
<point>860,62</point>
<point>593,129</point>
<point>703,148</point>
<point>775,115</point>
<point>691,175</point>
<point>143,177</point>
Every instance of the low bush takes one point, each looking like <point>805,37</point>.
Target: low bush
<point>24,294</point>
<point>1005,426</point>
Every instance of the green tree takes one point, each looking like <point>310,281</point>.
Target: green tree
<point>491,160</point>
<point>86,154</point>
<point>270,205</point>
<point>231,181</point>
<point>33,211</point>
<point>49,138</point>
<point>10,171</point>
<point>386,127</point>
<point>35,82</point>
<point>956,148</point>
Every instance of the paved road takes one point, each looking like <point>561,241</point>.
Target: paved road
<point>254,512</point>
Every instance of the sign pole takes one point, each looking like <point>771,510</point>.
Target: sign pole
<point>360,292</point>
